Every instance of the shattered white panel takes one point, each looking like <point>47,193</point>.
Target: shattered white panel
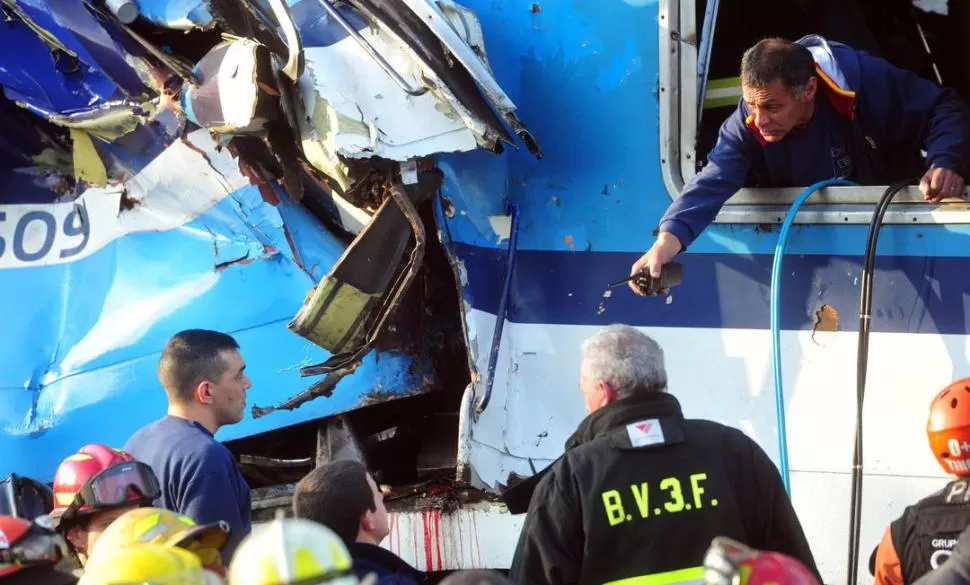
<point>933,6</point>
<point>367,114</point>
<point>159,199</point>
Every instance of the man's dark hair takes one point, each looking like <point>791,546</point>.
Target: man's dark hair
<point>190,357</point>
<point>336,495</point>
<point>772,59</point>
<point>476,577</point>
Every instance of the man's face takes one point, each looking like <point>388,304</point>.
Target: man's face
<point>228,394</point>
<point>84,537</point>
<point>377,522</point>
<point>776,111</point>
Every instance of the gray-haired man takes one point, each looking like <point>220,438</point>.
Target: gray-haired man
<point>641,491</point>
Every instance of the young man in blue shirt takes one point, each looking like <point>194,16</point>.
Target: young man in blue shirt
<point>204,377</point>
<point>814,110</point>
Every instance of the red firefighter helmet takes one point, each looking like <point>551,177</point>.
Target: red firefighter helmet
<point>948,428</point>
<point>24,545</point>
<point>729,562</point>
<point>99,478</point>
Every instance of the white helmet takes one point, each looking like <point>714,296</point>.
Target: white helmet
<point>291,550</point>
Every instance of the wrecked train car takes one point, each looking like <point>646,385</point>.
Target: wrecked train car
<point>263,168</point>
<point>349,189</point>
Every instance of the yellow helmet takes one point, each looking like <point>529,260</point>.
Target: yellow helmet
<point>167,528</point>
<point>146,564</point>
<point>291,550</point>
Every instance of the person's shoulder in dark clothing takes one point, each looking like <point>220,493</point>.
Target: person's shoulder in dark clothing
<point>708,430</point>
<point>956,569</point>
<point>177,450</point>
<point>198,475</point>
<point>769,516</point>
<point>177,439</point>
<point>389,568</point>
<point>40,575</point>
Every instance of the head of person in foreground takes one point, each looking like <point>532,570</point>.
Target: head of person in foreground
<point>620,362</point>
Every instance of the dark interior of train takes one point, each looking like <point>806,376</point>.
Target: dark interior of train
<point>895,30</point>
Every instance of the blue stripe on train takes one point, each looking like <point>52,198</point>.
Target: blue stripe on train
<point>911,294</point>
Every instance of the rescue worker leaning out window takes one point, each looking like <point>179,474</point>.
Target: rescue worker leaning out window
<point>814,110</point>
<point>641,491</point>
<point>923,536</point>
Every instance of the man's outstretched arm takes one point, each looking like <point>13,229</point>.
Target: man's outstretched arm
<point>702,198</point>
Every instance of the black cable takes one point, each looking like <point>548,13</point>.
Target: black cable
<point>865,314</point>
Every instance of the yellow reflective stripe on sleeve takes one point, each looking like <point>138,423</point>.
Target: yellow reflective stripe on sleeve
<point>691,575</point>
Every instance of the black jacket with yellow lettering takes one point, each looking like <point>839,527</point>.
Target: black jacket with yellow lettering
<point>639,494</point>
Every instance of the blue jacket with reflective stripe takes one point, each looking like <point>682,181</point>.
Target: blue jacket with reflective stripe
<point>871,121</point>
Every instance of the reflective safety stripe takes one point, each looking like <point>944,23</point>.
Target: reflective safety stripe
<point>722,92</point>
<point>692,575</point>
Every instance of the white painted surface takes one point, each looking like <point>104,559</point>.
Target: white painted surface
<point>482,536</point>
<point>725,376</point>
<point>237,92</point>
<point>367,114</point>
<point>163,201</point>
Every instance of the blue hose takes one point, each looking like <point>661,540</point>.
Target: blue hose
<point>776,320</point>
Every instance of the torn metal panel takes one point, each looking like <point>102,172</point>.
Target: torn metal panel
<point>88,165</point>
<point>62,63</point>
<point>118,270</point>
<point>232,92</point>
<point>130,228</point>
<point>471,58</point>
<point>336,313</point>
<point>452,83</point>
<point>353,304</point>
<point>355,110</point>
<point>358,90</point>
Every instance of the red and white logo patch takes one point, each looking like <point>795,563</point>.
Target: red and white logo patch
<point>645,432</point>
